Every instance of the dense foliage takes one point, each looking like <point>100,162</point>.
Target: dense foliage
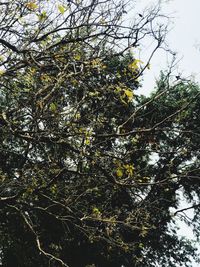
<point>91,174</point>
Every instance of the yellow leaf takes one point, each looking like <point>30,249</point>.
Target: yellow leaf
<point>102,21</point>
<point>45,77</point>
<point>74,82</point>
<point>129,169</point>
<point>118,89</point>
<point>144,231</point>
<point>77,57</point>
<point>87,141</point>
<point>61,9</point>
<point>134,65</point>
<point>77,116</point>
<point>95,210</point>
<point>96,62</point>
<point>129,94</point>
<point>119,173</point>
<point>32,5</point>
<point>54,189</point>
<point>2,72</point>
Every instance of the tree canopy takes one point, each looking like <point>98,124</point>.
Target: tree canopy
<point>91,173</point>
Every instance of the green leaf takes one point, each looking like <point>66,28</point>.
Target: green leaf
<point>141,245</point>
<point>53,107</point>
<point>42,16</point>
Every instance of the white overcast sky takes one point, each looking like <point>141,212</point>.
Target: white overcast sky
<point>183,38</point>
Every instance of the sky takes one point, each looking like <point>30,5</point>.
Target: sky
<point>183,38</point>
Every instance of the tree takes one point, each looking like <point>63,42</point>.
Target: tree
<point>78,183</point>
